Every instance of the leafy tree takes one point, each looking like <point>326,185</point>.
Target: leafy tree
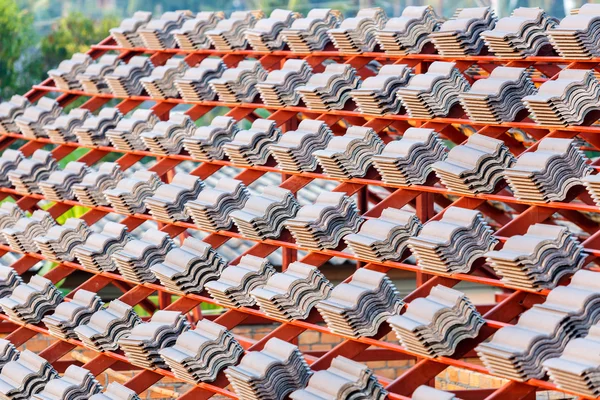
<point>16,36</point>
<point>69,35</point>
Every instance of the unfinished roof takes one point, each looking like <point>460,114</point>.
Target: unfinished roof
<point>325,155</point>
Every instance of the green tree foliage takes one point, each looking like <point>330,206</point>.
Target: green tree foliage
<point>160,6</point>
<point>26,55</point>
<point>16,36</point>
<point>69,35</point>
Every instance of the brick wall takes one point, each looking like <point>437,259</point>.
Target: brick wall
<point>458,379</point>
<point>451,379</point>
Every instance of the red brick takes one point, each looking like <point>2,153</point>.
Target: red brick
<point>321,347</point>
<point>330,339</point>
<point>310,337</point>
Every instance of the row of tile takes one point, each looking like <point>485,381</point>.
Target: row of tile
<point>526,32</point>
<point>354,308</point>
<point>500,98</point>
<point>27,375</point>
<point>477,166</point>
<point>450,245</point>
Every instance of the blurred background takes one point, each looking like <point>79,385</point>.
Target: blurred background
<point>35,35</point>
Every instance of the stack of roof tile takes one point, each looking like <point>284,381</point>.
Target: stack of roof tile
<point>28,303</point>
<point>10,110</point>
<point>409,161</point>
<point>238,85</point>
<point>424,392</point>
<point>10,213</point>
<point>452,244</point>
<point>435,325</point>
<point>65,75</point>
<point>161,82</point>
<point>128,196</point>
<point>357,308</point>
<point>408,33</point>
<point>107,325</point>
<point>92,79</point>
<point>8,352</point>
<point>22,378</point>
<point>592,184</point>
<point>434,93</point>
<point>195,84</point>
<point>266,33</point>
<point>229,34</point>
<point>330,89</point>
<point>116,391</point>
<point>279,87</point>
<point>378,94</point>
<point>294,150</point>
<point>166,137</point>
<point>476,166</point>
<point>344,379</point>
<point>127,134</point>
<point>95,254</point>
<point>272,373</point>
<point>168,201</point>
<point>143,343</point>
<point>59,185</point>
<point>518,351</point>
<point>125,80</point>
<point>192,34</point>
<point>187,268</point>
<point>9,161</point>
<point>33,119</point>
<point>263,215</point>
<point>565,100</point>
<point>384,238</point>
<point>138,255</point>
<point>497,99</point>
<point>76,384</point>
<point>20,236</point>
<point>212,209</point>
<point>206,144</point>
<point>59,242</point>
<point>292,294</point>
<point>61,130</point>
<point>127,35</point>
<point>70,314</point>
<point>322,225</point>
<point>310,34</point>
<point>576,369</point>
<point>92,132</point>
<point>90,191</point>
<point>199,355</point>
<point>237,281</point>
<point>577,35</point>
<point>521,35</point>
<point>158,33</point>
<point>461,35</point>
<point>250,147</point>
<point>550,172</point>
<point>351,155</point>
<point>9,280</point>
<point>539,259</point>
<point>358,34</point>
